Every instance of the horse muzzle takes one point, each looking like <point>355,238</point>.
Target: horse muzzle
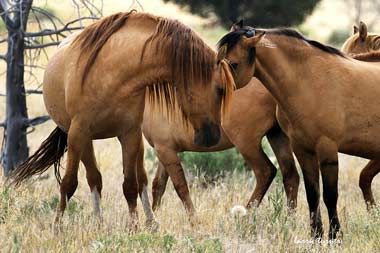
<point>208,135</point>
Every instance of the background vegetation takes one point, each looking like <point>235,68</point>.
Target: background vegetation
<point>267,13</point>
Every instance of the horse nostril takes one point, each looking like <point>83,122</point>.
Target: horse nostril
<point>208,135</point>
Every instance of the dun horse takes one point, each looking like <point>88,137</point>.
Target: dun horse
<point>95,88</point>
<point>326,102</point>
<point>365,46</point>
<point>251,117</point>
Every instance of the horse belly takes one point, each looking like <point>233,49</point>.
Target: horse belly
<point>362,145</point>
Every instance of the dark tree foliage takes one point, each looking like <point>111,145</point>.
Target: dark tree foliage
<point>261,13</point>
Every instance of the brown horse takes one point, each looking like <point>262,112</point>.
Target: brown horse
<point>95,87</point>
<point>365,46</point>
<point>321,107</point>
<point>251,117</point>
<point>361,43</point>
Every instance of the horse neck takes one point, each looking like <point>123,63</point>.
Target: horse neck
<point>285,69</point>
<point>275,68</point>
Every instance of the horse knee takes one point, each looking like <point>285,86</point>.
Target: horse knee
<point>142,179</point>
<point>130,190</point>
<point>290,175</point>
<point>94,180</point>
<point>68,186</point>
<point>364,182</point>
<point>157,186</point>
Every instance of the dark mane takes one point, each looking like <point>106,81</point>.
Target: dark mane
<point>92,38</point>
<point>232,38</point>
<point>295,34</point>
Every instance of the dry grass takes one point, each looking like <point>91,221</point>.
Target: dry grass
<point>26,214</point>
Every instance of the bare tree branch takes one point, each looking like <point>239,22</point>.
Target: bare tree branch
<point>37,121</point>
<point>4,13</point>
<point>47,32</point>
<point>55,43</point>
<point>33,92</point>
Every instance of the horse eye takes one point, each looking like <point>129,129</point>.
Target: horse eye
<point>220,91</point>
<point>234,66</point>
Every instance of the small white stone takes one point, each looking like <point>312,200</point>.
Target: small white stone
<point>238,211</point>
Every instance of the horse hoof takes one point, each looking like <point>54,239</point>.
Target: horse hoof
<point>193,220</point>
<point>57,228</point>
<point>133,226</point>
<point>152,225</point>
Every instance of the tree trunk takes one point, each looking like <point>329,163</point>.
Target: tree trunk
<point>16,148</point>
<point>16,122</point>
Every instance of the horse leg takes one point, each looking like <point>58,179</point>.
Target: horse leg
<point>263,169</point>
<point>327,152</point>
<point>77,138</point>
<point>130,145</point>
<point>94,178</point>
<point>159,185</point>
<point>309,165</point>
<point>365,181</point>
<point>143,190</point>
<point>282,150</point>
<point>172,164</point>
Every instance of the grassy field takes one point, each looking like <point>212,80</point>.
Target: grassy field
<point>26,216</point>
<point>27,213</point>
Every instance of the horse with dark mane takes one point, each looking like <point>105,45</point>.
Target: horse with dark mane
<point>320,105</point>
<point>95,87</point>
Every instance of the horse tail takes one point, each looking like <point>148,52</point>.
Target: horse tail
<point>49,153</point>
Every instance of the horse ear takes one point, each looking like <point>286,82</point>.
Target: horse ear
<point>363,31</point>
<point>237,26</point>
<point>222,53</point>
<point>252,42</point>
<point>356,29</point>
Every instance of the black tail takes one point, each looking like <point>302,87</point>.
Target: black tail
<point>49,153</point>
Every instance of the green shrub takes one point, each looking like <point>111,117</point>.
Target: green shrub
<point>213,164</point>
<point>338,37</point>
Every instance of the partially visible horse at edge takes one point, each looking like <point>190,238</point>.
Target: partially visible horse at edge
<point>95,88</point>
<point>365,46</point>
